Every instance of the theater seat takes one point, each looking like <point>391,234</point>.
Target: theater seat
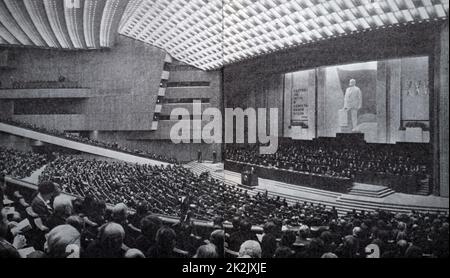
<point>7,202</point>
<point>229,254</point>
<point>31,213</point>
<point>40,225</point>
<point>134,229</point>
<point>17,195</point>
<point>89,223</point>
<point>180,253</point>
<point>23,203</point>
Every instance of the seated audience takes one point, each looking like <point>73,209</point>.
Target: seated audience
<point>343,161</point>
<point>113,146</point>
<point>140,198</point>
<point>19,164</point>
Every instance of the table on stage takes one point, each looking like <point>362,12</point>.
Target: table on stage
<point>336,184</point>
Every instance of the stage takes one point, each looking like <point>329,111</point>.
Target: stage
<point>360,196</point>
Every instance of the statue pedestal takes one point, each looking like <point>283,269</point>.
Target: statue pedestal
<point>344,120</point>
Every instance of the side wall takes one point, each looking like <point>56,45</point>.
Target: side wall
<point>123,84</point>
<point>123,80</point>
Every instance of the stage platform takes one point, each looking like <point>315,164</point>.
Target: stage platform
<point>370,190</point>
<point>361,196</point>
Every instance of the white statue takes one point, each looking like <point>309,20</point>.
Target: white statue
<point>353,102</point>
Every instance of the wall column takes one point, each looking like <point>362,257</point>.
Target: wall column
<point>440,114</point>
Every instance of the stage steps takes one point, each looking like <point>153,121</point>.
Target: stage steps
<point>366,203</point>
<point>424,187</point>
<point>372,191</point>
<point>305,189</point>
<point>34,177</point>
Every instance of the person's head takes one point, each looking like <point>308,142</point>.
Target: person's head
<point>133,253</point>
<point>77,205</point>
<point>2,179</point>
<point>87,206</point>
<point>326,237</point>
<point>288,238</point>
<point>63,241</point>
<point>206,251</point>
<point>120,213</point>
<point>329,255</point>
<point>246,226</point>
<point>99,207</point>
<point>401,226</point>
<point>413,252</point>
<point>268,246</point>
<point>250,248</point>
<point>77,222</point>
<point>283,252</point>
<point>111,236</point>
<point>3,224</point>
<point>47,190</point>
<point>350,246</point>
<point>269,227</point>
<point>150,224</point>
<point>304,231</point>
<point>383,235</point>
<point>165,239</point>
<point>236,222</point>
<point>356,232</point>
<point>218,222</point>
<point>352,82</point>
<point>217,238</point>
<point>142,208</point>
<point>62,206</point>
<point>402,245</point>
<point>316,247</point>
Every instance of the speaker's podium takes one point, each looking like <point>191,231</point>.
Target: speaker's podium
<point>249,178</point>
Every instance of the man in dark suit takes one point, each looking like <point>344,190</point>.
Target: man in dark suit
<point>41,203</point>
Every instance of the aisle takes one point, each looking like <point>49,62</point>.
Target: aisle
<point>34,178</point>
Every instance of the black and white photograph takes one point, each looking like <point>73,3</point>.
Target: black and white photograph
<point>224,129</point>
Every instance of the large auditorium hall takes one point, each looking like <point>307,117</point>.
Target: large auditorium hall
<point>224,129</point>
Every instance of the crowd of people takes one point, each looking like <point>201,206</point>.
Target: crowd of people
<point>87,227</point>
<point>169,190</point>
<point>355,235</point>
<point>20,164</point>
<point>113,146</point>
<point>58,226</point>
<point>336,160</point>
<point>121,210</point>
